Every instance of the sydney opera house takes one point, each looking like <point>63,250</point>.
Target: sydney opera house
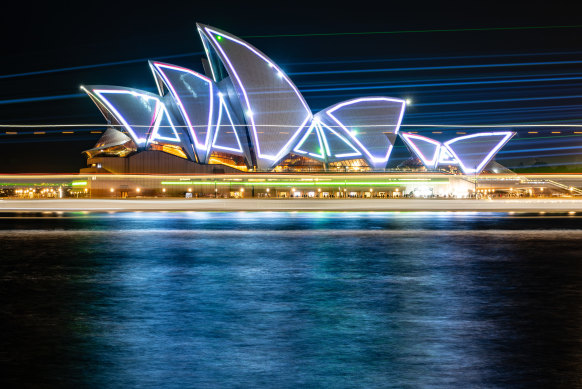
<point>246,115</point>
<point>243,129</point>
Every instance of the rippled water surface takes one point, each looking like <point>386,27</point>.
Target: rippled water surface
<point>288,300</point>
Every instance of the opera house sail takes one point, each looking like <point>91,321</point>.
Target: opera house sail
<point>246,114</point>
<point>470,152</point>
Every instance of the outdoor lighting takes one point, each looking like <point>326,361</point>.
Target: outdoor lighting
<point>292,189</point>
<point>215,189</point>
<point>138,190</point>
<point>408,101</point>
<point>242,189</point>
<point>164,190</point>
<point>371,190</point>
<point>111,190</point>
<point>268,190</point>
<point>319,189</point>
<point>190,190</point>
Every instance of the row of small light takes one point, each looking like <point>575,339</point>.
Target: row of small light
<point>138,190</point>
<point>32,190</point>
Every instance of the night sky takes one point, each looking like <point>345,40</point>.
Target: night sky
<point>485,69</point>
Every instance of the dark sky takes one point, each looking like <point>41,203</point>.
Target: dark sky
<point>506,76</point>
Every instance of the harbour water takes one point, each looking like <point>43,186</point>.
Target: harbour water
<point>287,300</point>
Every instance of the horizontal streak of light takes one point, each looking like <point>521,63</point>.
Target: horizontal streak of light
<point>490,125</point>
<point>411,59</point>
<point>480,66</point>
<point>535,138</point>
<point>52,131</point>
<point>511,110</point>
<point>458,78</point>
<point>344,88</point>
<point>565,122</point>
<point>303,183</point>
<point>30,184</point>
<point>420,96</point>
<point>517,167</point>
<point>46,139</point>
<point>516,125</point>
<point>34,73</point>
<point>43,98</point>
<point>544,155</point>
<point>439,84</point>
<point>500,100</point>
<point>417,31</point>
<point>116,63</point>
<point>49,98</point>
<point>539,149</point>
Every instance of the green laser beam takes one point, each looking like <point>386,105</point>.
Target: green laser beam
<point>415,31</point>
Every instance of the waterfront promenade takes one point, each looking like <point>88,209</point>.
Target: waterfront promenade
<point>305,205</point>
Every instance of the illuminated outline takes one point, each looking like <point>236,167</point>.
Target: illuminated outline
<point>157,78</point>
<point>319,138</point>
<point>211,34</point>
<point>214,145</point>
<point>429,163</point>
<point>199,146</point>
<point>506,136</point>
<point>160,111</point>
<point>355,154</point>
<point>334,108</point>
<point>163,111</point>
<point>103,108</point>
<point>207,51</point>
<point>314,126</point>
<point>119,116</point>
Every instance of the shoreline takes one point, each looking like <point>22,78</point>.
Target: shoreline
<point>291,205</point>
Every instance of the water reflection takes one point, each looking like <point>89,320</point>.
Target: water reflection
<point>291,300</point>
